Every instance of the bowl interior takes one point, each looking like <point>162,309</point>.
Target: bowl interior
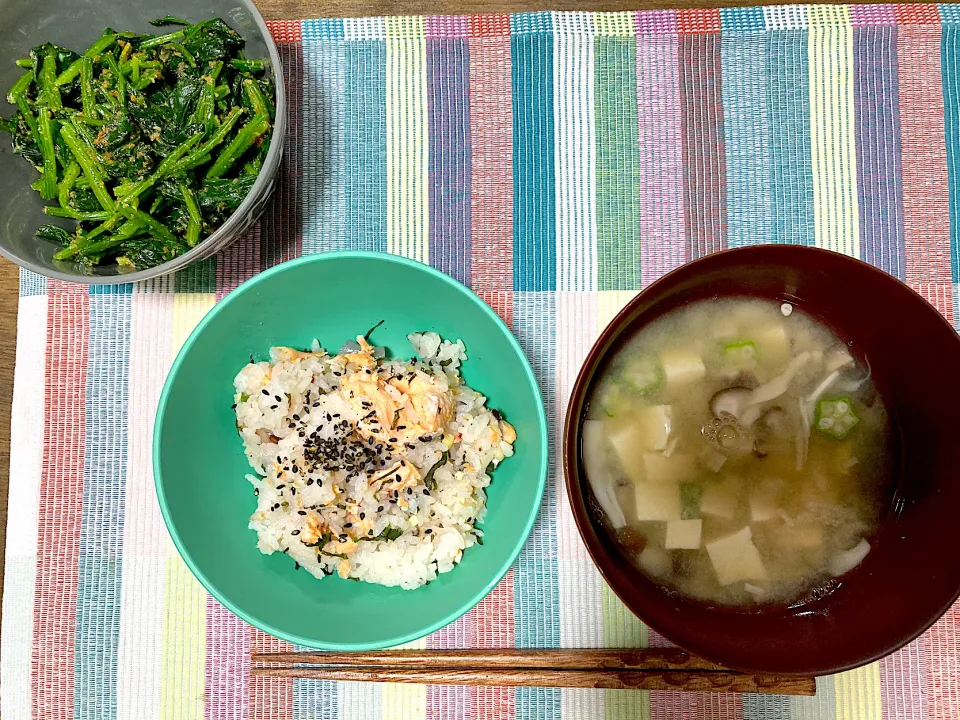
<point>200,465</point>
<point>911,576</point>
<point>76,24</point>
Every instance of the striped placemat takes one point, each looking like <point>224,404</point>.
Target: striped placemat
<point>556,163</point>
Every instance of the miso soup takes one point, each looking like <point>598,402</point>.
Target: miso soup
<point>740,452</point>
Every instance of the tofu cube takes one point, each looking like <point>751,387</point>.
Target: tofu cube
<point>717,500</point>
<point>765,502</point>
<point>662,469</point>
<point>654,561</point>
<point>801,536</point>
<point>655,424</point>
<point>684,534</point>
<point>681,368</point>
<point>772,342</point>
<point>736,559</point>
<point>657,501</point>
<point>627,442</point>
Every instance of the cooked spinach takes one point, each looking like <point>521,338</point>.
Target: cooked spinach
<point>149,142</point>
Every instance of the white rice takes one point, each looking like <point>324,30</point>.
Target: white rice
<point>319,455</point>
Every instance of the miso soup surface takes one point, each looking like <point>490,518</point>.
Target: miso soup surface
<point>740,452</point>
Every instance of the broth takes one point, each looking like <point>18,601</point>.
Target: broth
<point>740,452</point>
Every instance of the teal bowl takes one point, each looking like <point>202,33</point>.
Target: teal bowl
<point>199,465</point>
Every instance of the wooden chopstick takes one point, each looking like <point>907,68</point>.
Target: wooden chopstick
<point>648,669</point>
<point>509,659</point>
<point>696,681</point>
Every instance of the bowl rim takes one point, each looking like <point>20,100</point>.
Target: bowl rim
<point>543,440</point>
<point>215,240</point>
<point>570,441</point>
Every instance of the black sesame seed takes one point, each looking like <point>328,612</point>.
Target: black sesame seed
<point>328,416</point>
<point>279,459</point>
<point>295,532</point>
<point>348,525</point>
<point>280,487</point>
<point>274,407</point>
<point>296,566</point>
<point>309,481</point>
<point>292,425</point>
<point>301,512</point>
<point>427,531</point>
<point>426,492</point>
<point>293,491</point>
<point>265,391</point>
<point>233,407</point>
<point>401,427</point>
<point>362,515</point>
<point>279,399</point>
<point>256,491</point>
<point>380,509</point>
<point>409,491</point>
<point>317,404</point>
<point>296,417</point>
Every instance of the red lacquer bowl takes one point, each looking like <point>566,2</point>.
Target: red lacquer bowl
<point>912,574</point>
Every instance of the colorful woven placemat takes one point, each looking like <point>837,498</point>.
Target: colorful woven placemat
<point>556,163</point>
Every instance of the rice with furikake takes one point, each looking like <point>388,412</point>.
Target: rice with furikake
<point>369,468</point>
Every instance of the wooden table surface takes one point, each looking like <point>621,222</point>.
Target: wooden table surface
<point>292,10</point>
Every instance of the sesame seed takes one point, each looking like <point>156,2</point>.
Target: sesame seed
<point>265,391</point>
<point>348,525</point>
<point>427,531</point>
<point>296,566</point>
<point>380,509</point>
<point>280,487</point>
<point>401,427</point>
<point>309,481</point>
<point>409,491</point>
<point>362,515</point>
<point>301,512</point>
<point>274,407</point>
<point>256,491</point>
<point>279,399</point>
<point>296,417</point>
<point>292,425</point>
<point>295,532</point>
<point>426,492</point>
